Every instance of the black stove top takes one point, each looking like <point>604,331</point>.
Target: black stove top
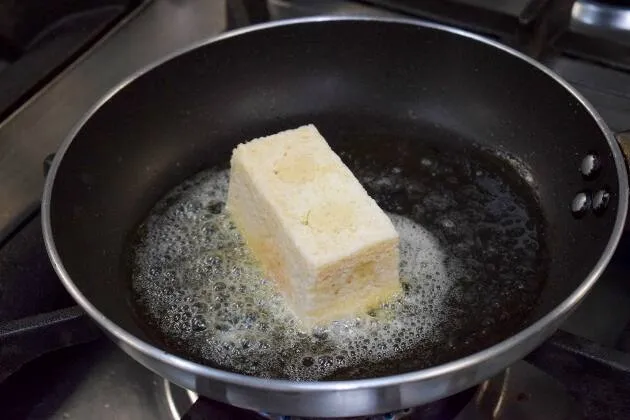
<point>40,39</point>
<point>54,363</point>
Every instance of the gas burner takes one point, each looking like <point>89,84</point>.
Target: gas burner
<point>180,401</point>
<point>522,392</point>
<point>398,415</point>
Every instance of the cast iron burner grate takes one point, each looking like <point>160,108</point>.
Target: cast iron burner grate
<point>38,40</point>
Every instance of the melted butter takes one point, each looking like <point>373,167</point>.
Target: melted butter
<point>469,243</point>
<point>197,283</point>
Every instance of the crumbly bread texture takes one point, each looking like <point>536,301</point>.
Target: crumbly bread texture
<point>332,252</point>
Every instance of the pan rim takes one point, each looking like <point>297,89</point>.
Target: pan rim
<point>559,312</point>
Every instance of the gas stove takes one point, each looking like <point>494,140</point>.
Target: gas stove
<point>54,362</point>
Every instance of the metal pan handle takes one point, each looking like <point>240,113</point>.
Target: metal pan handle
<point>623,139</point>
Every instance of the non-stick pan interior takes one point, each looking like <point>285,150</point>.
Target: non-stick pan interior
<point>391,93</point>
<point>472,241</point>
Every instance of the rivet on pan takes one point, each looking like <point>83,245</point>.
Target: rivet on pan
<point>581,203</point>
<point>591,166</point>
<point>600,201</point>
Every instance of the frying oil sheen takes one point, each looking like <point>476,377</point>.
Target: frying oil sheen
<point>197,285</point>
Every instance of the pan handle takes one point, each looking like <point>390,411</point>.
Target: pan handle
<point>590,371</point>
<point>623,138</point>
<point>24,340</point>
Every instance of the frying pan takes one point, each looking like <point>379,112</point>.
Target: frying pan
<point>389,92</point>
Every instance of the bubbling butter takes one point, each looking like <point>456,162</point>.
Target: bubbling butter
<point>197,283</point>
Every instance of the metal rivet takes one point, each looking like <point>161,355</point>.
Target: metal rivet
<point>600,201</point>
<point>591,166</point>
<point>581,203</point>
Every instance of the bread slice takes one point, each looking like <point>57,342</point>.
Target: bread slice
<point>332,252</point>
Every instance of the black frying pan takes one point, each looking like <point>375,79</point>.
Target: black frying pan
<point>468,134</point>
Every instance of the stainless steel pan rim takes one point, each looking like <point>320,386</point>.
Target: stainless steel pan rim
<point>526,336</point>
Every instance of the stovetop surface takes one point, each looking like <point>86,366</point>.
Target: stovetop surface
<point>96,379</point>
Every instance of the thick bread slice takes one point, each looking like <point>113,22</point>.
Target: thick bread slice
<point>332,252</point>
